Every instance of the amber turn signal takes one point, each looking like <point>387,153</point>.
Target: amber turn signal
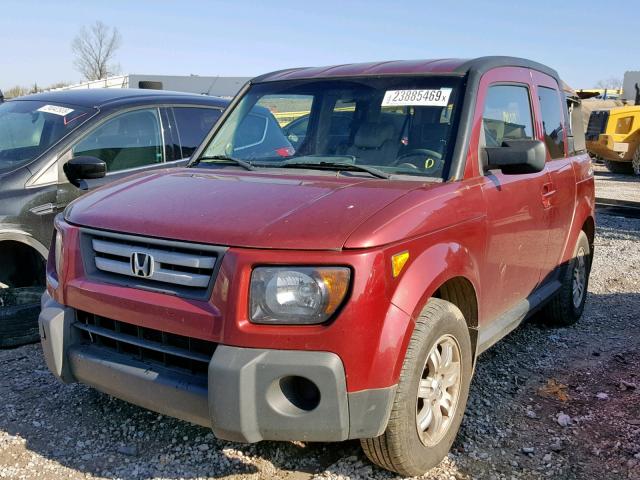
<point>398,262</point>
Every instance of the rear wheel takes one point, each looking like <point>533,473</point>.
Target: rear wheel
<point>636,161</point>
<point>567,306</point>
<point>431,396</point>
<point>618,167</point>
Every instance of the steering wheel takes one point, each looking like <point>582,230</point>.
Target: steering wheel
<point>429,161</point>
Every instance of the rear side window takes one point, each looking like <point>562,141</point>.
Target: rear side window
<point>507,114</point>
<point>193,125</point>
<point>552,115</point>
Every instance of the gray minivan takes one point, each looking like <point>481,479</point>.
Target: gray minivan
<point>56,146</point>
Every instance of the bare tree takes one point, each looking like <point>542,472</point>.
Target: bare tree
<point>16,91</point>
<point>94,48</point>
<point>611,83</point>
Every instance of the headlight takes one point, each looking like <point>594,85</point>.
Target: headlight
<point>58,254</point>
<point>297,295</point>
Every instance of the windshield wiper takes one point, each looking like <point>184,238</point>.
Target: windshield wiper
<point>324,165</point>
<point>225,159</point>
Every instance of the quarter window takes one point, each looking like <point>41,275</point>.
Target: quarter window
<point>507,114</point>
<point>552,124</point>
<point>130,140</point>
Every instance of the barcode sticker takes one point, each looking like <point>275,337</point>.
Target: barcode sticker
<point>425,98</point>
<point>56,110</point>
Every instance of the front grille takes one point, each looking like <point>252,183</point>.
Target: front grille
<point>168,350</point>
<point>597,124</point>
<point>180,268</point>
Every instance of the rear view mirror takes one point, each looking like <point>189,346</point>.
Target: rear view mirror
<point>84,168</point>
<point>517,157</point>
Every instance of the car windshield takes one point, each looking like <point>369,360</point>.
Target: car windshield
<point>390,125</point>
<point>28,128</point>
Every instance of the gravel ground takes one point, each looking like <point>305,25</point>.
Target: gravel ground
<point>545,403</point>
<point>616,186</point>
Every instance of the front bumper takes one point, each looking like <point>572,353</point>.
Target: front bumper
<point>248,394</point>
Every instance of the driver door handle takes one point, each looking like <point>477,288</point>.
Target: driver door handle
<point>548,191</point>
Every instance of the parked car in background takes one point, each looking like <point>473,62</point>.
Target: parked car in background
<point>344,288</point>
<point>57,146</point>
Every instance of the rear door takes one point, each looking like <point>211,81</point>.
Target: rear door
<point>553,129</point>
<point>517,217</point>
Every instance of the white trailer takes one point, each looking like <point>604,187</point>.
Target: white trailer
<point>218,86</point>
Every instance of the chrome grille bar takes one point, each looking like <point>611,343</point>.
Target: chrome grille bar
<point>160,256</point>
<point>168,264</point>
<point>123,267</point>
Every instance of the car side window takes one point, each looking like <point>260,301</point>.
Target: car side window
<point>193,125</point>
<point>129,140</point>
<point>552,124</point>
<point>507,114</point>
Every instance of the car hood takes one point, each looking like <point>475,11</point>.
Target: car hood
<point>257,210</point>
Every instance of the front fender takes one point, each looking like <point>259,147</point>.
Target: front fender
<point>431,270</point>
<point>421,279</point>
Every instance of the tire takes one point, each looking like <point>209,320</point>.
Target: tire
<point>564,309</point>
<point>19,310</point>
<point>618,167</point>
<point>635,163</point>
<point>401,448</point>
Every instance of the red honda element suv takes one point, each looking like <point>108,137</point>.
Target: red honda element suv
<point>335,273</point>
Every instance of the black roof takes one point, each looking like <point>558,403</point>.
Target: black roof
<point>454,66</point>
<point>101,97</point>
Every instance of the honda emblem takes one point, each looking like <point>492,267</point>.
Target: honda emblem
<point>142,264</point>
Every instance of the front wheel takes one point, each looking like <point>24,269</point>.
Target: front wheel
<point>432,394</point>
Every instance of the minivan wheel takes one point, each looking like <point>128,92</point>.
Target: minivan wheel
<point>568,304</point>
<point>19,309</point>
<point>431,396</point>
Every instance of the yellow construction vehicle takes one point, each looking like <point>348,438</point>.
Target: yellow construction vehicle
<point>614,136</point>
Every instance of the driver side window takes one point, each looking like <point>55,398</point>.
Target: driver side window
<point>507,114</point>
<point>129,140</point>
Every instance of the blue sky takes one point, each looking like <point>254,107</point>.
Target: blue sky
<point>248,38</point>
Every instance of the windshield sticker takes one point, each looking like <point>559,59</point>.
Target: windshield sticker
<point>56,110</point>
<point>422,98</point>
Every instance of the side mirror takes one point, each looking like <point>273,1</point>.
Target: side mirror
<point>516,157</point>
<point>84,168</point>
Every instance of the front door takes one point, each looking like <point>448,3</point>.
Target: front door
<point>517,216</point>
<point>128,142</point>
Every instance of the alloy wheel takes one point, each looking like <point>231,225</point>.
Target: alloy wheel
<point>438,390</point>
<point>579,278</point>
